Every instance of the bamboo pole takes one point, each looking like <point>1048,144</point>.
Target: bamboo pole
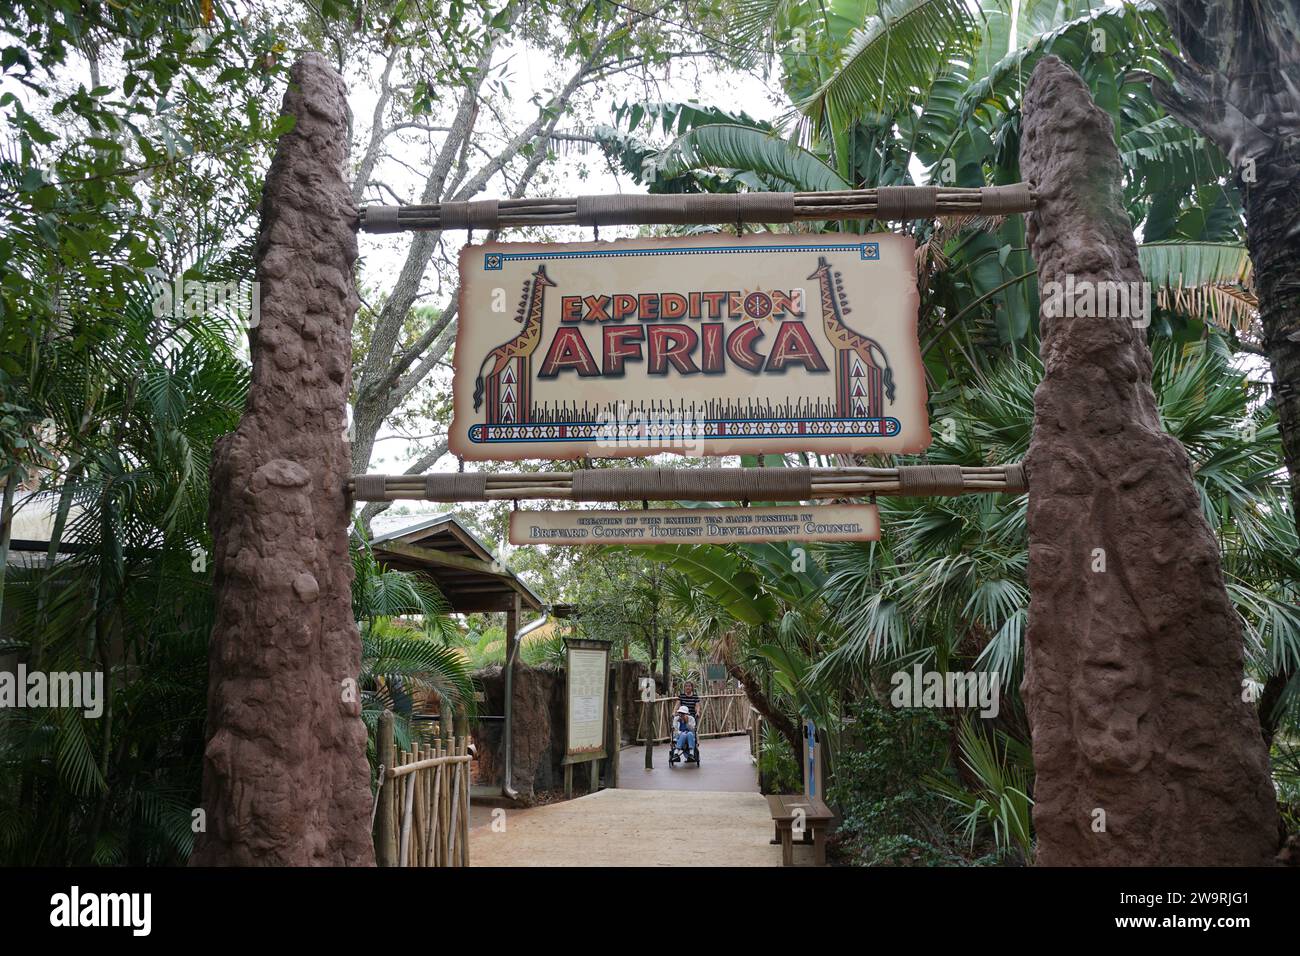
<point>409,806</point>
<point>464,812</point>
<point>453,799</point>
<point>425,763</point>
<point>830,483</point>
<point>387,818</point>
<point>417,821</point>
<point>435,803</point>
<point>683,209</point>
<point>444,809</point>
<point>453,823</point>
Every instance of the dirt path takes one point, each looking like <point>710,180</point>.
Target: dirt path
<point>660,817</point>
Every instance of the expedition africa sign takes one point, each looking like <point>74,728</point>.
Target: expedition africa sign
<point>708,345</point>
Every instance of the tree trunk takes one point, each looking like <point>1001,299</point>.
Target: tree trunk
<point>668,665</point>
<point>1273,235</point>
<point>1234,81</point>
<point>285,776</point>
<point>773,714</point>
<point>1144,751</point>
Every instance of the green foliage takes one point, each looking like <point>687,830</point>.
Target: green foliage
<point>723,576</point>
<point>998,801</point>
<point>132,601</point>
<point>777,764</point>
<point>102,183</point>
<point>883,63</point>
<point>409,645</point>
<point>547,651</point>
<point>889,816</point>
<point>487,648</point>
<point>775,164</point>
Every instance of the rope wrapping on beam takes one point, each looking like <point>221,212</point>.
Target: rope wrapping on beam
<point>369,487</point>
<point>931,479</point>
<point>663,484</point>
<point>907,202</point>
<point>480,214</point>
<point>1004,200</point>
<point>458,486</point>
<point>381,219</point>
<point>1017,478</point>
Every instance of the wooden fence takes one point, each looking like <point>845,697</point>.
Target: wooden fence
<point>422,806</point>
<point>719,715</point>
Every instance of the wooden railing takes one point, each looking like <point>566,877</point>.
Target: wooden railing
<point>755,735</point>
<point>719,715</point>
<point>422,806</point>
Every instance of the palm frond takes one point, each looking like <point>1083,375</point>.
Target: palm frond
<point>891,58</point>
<point>727,146</point>
<point>1213,280</point>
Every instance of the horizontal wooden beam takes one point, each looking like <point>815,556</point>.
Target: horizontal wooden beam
<point>694,484</point>
<point>884,203</point>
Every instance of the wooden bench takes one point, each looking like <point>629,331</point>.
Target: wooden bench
<point>815,819</point>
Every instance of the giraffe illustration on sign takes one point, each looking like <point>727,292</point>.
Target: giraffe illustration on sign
<point>862,371</point>
<point>507,383</point>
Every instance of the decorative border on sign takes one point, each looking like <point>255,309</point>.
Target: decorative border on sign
<point>506,433</point>
<point>494,261</point>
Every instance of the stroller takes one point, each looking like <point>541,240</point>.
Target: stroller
<point>677,755</point>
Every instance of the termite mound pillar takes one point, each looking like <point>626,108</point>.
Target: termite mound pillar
<point>285,776</point>
<point>1145,752</point>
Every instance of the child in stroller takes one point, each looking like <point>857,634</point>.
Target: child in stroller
<point>684,744</point>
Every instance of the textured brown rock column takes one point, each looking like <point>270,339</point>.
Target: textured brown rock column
<point>1133,674</point>
<point>285,778</point>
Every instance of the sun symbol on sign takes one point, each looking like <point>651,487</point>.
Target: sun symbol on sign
<point>757,304</point>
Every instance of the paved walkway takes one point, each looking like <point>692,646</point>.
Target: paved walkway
<point>634,828</point>
<point>712,815</point>
<point>724,766</point>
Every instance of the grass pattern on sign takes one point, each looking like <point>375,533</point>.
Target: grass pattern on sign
<point>713,410</point>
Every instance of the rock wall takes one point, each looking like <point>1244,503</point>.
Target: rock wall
<point>1145,752</point>
<point>285,777</point>
<point>539,722</point>
<point>628,674</point>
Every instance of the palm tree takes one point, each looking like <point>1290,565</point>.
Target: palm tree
<point>928,84</point>
<point>129,419</point>
<point>947,586</point>
<point>409,644</point>
<point>1236,80</point>
<point>923,85</point>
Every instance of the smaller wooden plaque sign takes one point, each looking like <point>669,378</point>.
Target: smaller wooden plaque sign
<point>697,525</point>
